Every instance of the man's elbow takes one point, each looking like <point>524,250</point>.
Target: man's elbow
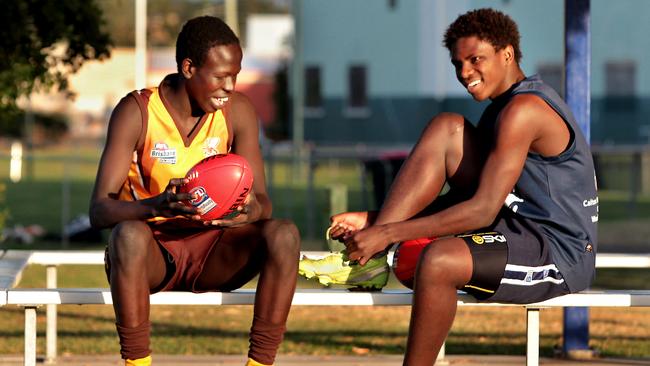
<point>97,220</point>
<point>482,221</point>
<point>485,214</point>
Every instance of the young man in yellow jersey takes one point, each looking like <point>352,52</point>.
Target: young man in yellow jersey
<point>158,243</point>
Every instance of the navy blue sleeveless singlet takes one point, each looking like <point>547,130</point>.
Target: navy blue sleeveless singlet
<point>558,193</point>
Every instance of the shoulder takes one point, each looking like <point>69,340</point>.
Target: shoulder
<point>127,108</point>
<point>525,107</point>
<point>127,119</point>
<point>523,118</point>
<point>240,103</point>
<point>240,110</point>
<point>523,102</point>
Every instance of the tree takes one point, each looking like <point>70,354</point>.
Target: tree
<point>42,42</point>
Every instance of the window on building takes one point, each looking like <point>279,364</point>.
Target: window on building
<point>313,97</point>
<point>357,87</point>
<point>620,78</point>
<point>620,85</point>
<point>313,92</point>
<point>553,74</point>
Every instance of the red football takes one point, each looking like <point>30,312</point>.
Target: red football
<point>218,185</point>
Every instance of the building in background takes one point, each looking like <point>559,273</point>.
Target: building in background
<point>376,71</point>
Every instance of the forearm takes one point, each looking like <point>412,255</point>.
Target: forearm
<point>109,212</point>
<point>460,218</point>
<point>265,205</point>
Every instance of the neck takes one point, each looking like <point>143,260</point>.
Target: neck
<point>518,75</point>
<point>174,92</point>
<point>514,76</point>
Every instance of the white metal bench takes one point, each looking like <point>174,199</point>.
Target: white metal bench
<point>30,299</point>
<point>12,264</point>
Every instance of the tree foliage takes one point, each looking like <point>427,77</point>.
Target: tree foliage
<point>44,41</point>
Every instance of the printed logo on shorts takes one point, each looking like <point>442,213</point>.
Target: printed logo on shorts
<point>529,277</point>
<point>487,238</point>
<point>163,153</point>
<point>478,239</point>
<point>201,200</point>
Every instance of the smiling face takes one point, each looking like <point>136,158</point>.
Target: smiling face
<point>484,71</point>
<point>211,84</point>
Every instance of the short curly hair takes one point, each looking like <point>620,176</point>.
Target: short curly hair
<point>199,35</point>
<point>488,25</point>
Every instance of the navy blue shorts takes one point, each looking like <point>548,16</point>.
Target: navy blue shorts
<point>512,262</point>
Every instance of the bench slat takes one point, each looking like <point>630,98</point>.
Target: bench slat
<point>238,297</point>
<point>57,257</point>
<point>621,260</point>
<point>327,297</point>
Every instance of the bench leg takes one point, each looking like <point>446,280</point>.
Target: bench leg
<point>50,331</point>
<point>30,336</point>
<point>532,337</point>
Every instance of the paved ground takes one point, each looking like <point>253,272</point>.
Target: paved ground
<point>455,360</point>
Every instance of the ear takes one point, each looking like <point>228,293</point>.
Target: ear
<point>509,54</point>
<point>187,68</point>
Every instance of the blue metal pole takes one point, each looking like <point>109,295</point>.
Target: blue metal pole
<point>578,96</point>
<point>577,59</point>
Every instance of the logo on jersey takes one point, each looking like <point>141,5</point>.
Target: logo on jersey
<point>211,146</point>
<point>201,200</point>
<point>592,202</point>
<point>512,202</point>
<point>163,153</point>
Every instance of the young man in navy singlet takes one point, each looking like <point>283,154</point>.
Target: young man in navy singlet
<point>519,221</point>
<point>157,242</point>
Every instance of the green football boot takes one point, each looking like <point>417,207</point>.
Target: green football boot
<point>336,269</point>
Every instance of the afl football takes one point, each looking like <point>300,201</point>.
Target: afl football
<point>218,185</point>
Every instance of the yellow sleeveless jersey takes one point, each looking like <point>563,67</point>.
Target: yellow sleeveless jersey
<point>164,154</point>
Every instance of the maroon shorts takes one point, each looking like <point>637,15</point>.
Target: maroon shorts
<point>185,251</point>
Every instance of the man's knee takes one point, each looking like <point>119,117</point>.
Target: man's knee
<point>448,122</point>
<point>445,261</point>
<point>129,241</point>
<point>446,131</point>
<point>282,235</point>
